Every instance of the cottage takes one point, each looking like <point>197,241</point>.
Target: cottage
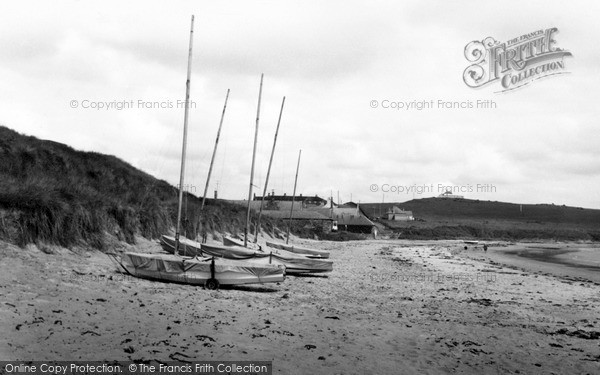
<point>348,219</point>
<point>398,214</point>
<point>309,218</point>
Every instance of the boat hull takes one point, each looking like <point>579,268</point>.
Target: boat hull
<point>197,271</point>
<point>299,250</point>
<point>294,263</point>
<point>229,241</point>
<point>187,247</point>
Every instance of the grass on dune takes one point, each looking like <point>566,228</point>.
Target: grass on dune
<point>52,193</point>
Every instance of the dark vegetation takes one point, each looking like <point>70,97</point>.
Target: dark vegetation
<point>474,219</point>
<point>54,194</point>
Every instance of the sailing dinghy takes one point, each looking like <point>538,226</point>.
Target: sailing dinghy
<point>207,271</point>
<point>293,263</point>
<point>313,253</point>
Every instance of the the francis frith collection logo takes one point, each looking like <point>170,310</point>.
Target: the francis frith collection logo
<point>514,63</point>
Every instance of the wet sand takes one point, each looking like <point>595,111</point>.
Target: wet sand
<point>388,307</point>
<point>574,261</point>
<point>578,256</point>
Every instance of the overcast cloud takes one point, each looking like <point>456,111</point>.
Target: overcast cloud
<point>330,61</point>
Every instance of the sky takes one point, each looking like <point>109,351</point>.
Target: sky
<point>344,68</point>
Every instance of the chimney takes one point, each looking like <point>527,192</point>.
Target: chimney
<point>216,195</point>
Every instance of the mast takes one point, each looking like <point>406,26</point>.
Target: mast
<point>212,160</point>
<point>293,196</point>
<point>183,148</point>
<point>252,168</point>
<point>268,173</point>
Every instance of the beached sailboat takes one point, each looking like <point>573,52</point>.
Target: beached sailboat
<point>208,271</point>
<point>314,253</point>
<point>233,249</point>
<point>170,243</point>
<point>294,263</point>
<point>310,253</point>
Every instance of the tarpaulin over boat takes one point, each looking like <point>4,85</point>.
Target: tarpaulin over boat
<point>197,270</point>
<point>187,247</point>
<point>294,263</point>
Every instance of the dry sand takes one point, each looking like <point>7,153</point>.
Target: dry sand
<point>389,307</point>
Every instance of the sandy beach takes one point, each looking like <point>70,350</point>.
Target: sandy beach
<point>389,307</point>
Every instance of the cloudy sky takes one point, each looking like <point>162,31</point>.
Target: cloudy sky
<point>334,62</point>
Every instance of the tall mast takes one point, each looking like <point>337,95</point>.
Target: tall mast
<point>183,149</point>
<point>293,197</point>
<point>268,173</point>
<point>212,160</point>
<point>253,159</point>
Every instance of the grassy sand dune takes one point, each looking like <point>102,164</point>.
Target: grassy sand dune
<point>51,193</point>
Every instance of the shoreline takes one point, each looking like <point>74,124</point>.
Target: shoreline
<point>571,261</point>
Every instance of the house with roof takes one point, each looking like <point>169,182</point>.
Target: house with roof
<point>350,219</point>
<point>281,209</point>
<point>305,201</point>
<point>397,214</point>
<point>448,195</point>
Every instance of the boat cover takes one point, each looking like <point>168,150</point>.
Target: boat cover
<point>187,247</point>
<point>298,249</point>
<point>294,263</point>
<point>197,270</point>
